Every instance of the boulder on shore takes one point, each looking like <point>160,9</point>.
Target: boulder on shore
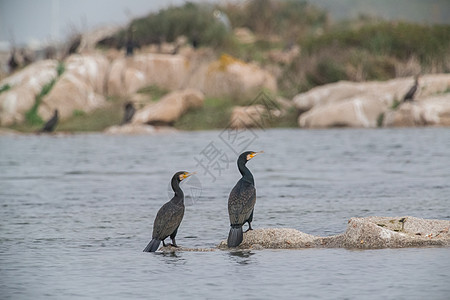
<point>231,77</point>
<point>170,108</point>
<point>80,87</point>
<point>431,111</point>
<point>138,129</point>
<point>360,104</point>
<point>24,85</point>
<point>355,112</point>
<point>128,74</point>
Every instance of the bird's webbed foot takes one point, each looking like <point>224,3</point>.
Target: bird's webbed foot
<point>249,227</point>
<point>174,244</point>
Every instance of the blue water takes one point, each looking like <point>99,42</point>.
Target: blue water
<point>76,212</point>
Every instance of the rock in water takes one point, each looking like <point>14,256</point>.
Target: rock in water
<point>385,232</point>
<point>362,233</point>
<point>274,238</point>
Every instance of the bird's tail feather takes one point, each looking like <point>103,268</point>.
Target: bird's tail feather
<point>235,236</point>
<point>152,246</point>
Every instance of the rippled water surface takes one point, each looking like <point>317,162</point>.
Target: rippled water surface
<point>76,212</point>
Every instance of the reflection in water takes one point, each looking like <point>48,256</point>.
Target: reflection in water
<point>73,224</point>
<point>171,258</point>
<point>241,257</point>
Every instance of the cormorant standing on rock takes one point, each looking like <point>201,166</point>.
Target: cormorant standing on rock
<point>130,45</point>
<point>169,216</point>
<point>409,96</point>
<point>51,124</point>
<point>12,62</point>
<point>241,201</point>
<point>129,113</point>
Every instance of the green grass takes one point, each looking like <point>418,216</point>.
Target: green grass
<point>192,20</point>
<point>380,120</point>
<point>97,120</point>
<point>78,113</point>
<point>154,91</point>
<point>4,88</point>
<point>385,38</point>
<point>289,120</point>
<point>214,114</point>
<point>395,104</point>
<point>31,116</point>
<point>60,68</point>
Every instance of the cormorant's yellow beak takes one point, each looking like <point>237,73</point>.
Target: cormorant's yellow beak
<point>253,154</point>
<point>186,175</point>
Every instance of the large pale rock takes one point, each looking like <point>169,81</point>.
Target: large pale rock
<point>248,116</point>
<point>25,86</point>
<point>231,77</point>
<point>360,104</point>
<point>385,232</point>
<point>364,233</point>
<point>80,87</point>
<point>433,111</point>
<point>274,238</point>
<point>355,112</point>
<point>129,74</point>
<point>258,115</point>
<point>138,129</point>
<point>170,108</point>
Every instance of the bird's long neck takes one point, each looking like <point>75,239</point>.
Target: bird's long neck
<point>246,174</point>
<point>179,195</point>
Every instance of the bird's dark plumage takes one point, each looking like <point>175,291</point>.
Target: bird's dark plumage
<point>241,201</point>
<point>128,113</point>
<point>409,96</point>
<point>169,216</point>
<point>51,124</point>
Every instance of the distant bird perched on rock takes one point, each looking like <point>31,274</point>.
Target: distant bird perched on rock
<point>169,216</point>
<point>128,113</point>
<point>409,96</point>
<point>130,44</point>
<point>241,201</point>
<point>51,124</point>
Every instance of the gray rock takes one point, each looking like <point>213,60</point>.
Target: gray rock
<point>362,233</point>
<point>432,111</point>
<point>274,238</point>
<point>138,129</point>
<point>385,232</point>
<point>360,104</point>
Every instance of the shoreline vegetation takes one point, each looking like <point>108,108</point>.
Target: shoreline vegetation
<point>295,42</point>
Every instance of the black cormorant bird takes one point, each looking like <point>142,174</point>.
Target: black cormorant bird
<point>51,124</point>
<point>409,96</point>
<point>130,45</point>
<point>169,216</point>
<point>241,201</point>
<point>129,113</point>
<point>12,62</point>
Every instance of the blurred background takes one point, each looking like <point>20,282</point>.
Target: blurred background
<point>287,46</point>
